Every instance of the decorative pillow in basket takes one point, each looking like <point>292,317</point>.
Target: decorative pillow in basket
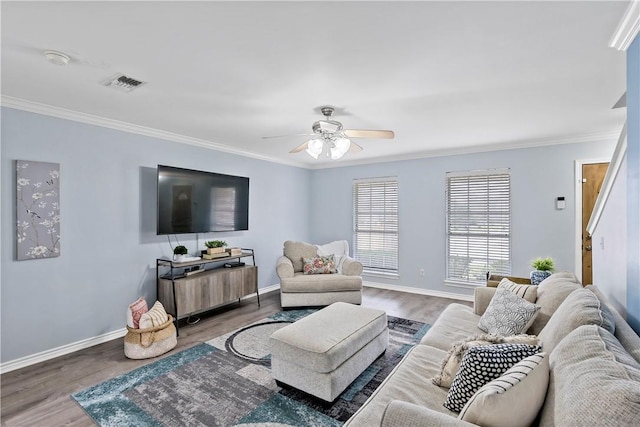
<point>156,335</point>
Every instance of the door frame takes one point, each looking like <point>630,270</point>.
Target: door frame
<point>577,265</point>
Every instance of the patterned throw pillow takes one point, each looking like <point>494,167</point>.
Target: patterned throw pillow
<point>135,310</point>
<point>319,265</point>
<point>528,292</point>
<point>154,317</point>
<point>507,314</point>
<point>482,364</point>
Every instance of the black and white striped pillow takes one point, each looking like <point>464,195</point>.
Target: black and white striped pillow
<point>528,292</point>
<point>523,386</point>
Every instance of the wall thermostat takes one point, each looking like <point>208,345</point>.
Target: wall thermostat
<point>560,203</point>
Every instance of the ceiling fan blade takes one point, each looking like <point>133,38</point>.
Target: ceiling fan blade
<point>286,136</point>
<point>299,148</point>
<point>354,148</point>
<point>360,133</point>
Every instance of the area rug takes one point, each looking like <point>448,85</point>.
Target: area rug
<point>227,381</point>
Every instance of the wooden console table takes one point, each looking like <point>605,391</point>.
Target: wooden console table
<point>186,288</point>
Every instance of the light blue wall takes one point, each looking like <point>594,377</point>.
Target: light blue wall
<point>633,185</point>
<point>538,176</point>
<point>108,240</point>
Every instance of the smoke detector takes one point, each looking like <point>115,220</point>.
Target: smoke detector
<point>123,82</point>
<point>57,58</point>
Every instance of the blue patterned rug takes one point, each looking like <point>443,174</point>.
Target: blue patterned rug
<point>227,381</point>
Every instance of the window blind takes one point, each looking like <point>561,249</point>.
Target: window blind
<point>478,225</point>
<point>375,224</point>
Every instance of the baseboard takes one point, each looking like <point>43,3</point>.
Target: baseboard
<point>419,291</point>
<point>43,356</point>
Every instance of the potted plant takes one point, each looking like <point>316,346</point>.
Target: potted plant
<point>179,252</point>
<point>543,267</point>
<point>215,246</point>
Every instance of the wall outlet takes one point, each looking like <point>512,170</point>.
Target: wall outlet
<point>422,272</point>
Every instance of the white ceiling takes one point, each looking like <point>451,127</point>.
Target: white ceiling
<point>447,77</point>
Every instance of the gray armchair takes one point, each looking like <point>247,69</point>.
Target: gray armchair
<point>303,290</point>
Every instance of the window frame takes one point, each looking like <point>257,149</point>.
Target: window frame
<point>488,173</point>
<point>379,270</point>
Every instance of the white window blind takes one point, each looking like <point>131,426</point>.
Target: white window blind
<point>478,225</point>
<point>375,224</point>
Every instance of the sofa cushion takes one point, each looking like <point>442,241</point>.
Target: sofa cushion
<point>523,386</point>
<point>295,251</point>
<point>480,365</point>
<point>409,382</point>
<point>551,292</point>
<point>528,292</point>
<point>457,322</point>
<point>319,265</point>
<point>593,382</point>
<point>507,314</point>
<point>581,307</point>
<point>451,363</point>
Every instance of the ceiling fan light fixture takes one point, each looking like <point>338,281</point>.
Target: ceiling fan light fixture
<point>339,148</point>
<point>314,148</point>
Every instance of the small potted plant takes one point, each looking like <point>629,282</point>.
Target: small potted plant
<point>179,252</point>
<point>543,267</point>
<point>215,246</point>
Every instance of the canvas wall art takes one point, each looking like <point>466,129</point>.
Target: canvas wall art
<point>37,209</point>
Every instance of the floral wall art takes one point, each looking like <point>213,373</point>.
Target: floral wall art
<point>37,209</point>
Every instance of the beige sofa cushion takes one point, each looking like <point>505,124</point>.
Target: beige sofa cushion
<point>295,251</point>
<point>581,307</point>
<point>523,386</point>
<point>593,382</point>
<point>456,323</point>
<point>551,292</point>
<point>315,283</point>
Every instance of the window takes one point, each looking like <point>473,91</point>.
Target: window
<point>375,224</point>
<point>478,225</point>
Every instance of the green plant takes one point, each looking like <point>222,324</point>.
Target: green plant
<point>543,264</point>
<point>180,250</point>
<point>215,243</point>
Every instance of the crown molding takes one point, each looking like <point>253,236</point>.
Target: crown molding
<point>513,145</point>
<point>76,116</point>
<point>628,28</point>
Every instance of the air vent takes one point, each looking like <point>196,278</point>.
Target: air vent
<point>123,83</point>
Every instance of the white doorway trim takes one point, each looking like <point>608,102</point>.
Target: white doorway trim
<point>578,211</point>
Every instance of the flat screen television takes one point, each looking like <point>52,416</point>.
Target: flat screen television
<point>191,201</point>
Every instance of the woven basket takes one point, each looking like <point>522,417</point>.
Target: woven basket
<point>150,342</point>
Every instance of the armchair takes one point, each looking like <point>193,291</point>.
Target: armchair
<point>303,290</point>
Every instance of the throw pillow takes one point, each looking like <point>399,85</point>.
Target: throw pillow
<point>581,307</point>
<point>319,265</point>
<point>482,364</point>
<point>451,362</point>
<point>523,386</point>
<point>154,317</point>
<point>135,310</point>
<point>528,292</point>
<point>507,314</point>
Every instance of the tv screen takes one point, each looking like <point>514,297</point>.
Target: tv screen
<point>191,201</point>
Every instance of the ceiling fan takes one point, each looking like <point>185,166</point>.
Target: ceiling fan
<point>331,138</point>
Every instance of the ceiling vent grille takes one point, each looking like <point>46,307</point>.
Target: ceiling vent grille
<point>123,83</point>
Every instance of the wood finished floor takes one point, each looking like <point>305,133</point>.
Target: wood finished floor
<point>39,395</point>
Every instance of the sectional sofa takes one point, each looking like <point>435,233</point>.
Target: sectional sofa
<point>591,374</point>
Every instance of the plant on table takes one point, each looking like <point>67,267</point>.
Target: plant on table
<point>215,246</point>
<point>543,267</point>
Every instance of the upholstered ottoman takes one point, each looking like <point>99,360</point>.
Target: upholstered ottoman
<point>324,352</point>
